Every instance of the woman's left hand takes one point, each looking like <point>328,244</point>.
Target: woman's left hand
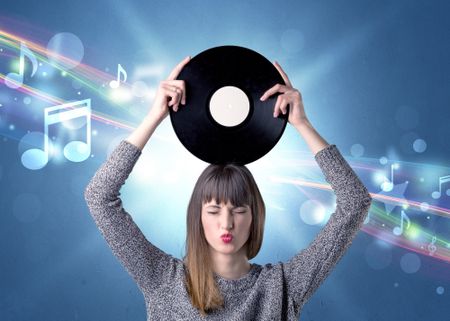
<point>291,96</point>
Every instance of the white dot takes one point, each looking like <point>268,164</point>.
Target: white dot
<point>440,290</point>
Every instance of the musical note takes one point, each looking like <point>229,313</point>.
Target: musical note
<point>442,180</point>
<point>15,80</point>
<point>389,185</point>
<point>431,246</point>
<point>75,151</point>
<point>116,83</point>
<point>399,230</point>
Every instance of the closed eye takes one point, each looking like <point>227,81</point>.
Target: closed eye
<point>239,212</point>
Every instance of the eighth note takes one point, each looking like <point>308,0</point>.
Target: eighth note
<point>15,80</point>
<point>389,185</point>
<point>442,180</point>
<point>399,230</point>
<point>116,83</point>
<point>75,151</point>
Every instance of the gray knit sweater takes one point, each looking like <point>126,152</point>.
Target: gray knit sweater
<point>266,292</point>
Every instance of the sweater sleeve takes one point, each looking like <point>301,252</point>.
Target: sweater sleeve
<point>306,271</point>
<point>147,264</point>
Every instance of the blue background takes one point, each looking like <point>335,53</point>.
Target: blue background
<point>374,76</point>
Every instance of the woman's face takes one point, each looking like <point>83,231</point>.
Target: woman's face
<point>219,219</point>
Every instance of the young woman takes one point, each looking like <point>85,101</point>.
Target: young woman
<point>225,225</point>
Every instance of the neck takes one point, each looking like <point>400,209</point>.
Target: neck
<point>230,266</point>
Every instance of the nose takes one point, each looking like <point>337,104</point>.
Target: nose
<point>227,221</point>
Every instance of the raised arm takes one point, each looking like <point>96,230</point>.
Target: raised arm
<point>147,264</point>
<point>309,268</point>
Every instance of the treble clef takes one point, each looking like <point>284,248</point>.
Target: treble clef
<point>431,246</point>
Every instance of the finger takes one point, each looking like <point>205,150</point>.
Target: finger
<point>283,106</point>
<point>276,110</point>
<point>176,71</point>
<point>274,89</point>
<point>180,84</point>
<point>283,74</point>
<point>178,98</point>
<point>170,91</point>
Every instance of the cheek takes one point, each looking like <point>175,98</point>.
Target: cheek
<point>207,226</point>
<point>246,222</point>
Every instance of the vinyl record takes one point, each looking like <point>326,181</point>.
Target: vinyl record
<point>223,120</point>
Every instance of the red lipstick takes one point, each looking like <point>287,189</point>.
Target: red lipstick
<point>226,238</point>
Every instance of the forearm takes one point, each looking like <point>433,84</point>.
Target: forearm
<point>140,136</point>
<point>315,142</point>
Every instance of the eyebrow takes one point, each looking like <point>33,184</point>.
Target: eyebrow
<point>217,206</point>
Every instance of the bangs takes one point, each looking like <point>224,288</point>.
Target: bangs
<point>226,185</point>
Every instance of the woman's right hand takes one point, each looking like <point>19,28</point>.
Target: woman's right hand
<point>171,93</point>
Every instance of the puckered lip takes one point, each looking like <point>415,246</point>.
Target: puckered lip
<point>226,235</point>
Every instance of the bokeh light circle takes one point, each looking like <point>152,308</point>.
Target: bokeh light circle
<point>419,145</point>
<point>357,150</point>
<point>424,206</point>
<point>312,212</point>
<point>65,50</point>
<point>410,263</point>
<point>27,100</point>
<point>383,160</point>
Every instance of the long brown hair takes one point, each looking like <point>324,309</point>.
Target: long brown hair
<point>222,182</point>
